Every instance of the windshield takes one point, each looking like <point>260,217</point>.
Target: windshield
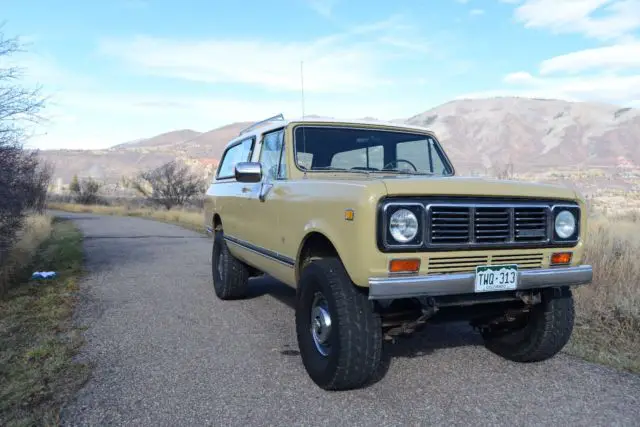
<point>361,149</point>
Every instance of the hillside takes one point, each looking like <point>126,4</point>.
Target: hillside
<point>532,134</point>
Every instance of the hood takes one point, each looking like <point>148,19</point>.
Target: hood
<point>471,186</point>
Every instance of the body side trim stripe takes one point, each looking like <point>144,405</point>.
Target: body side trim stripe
<point>262,251</point>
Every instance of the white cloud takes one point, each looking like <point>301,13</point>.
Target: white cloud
<point>616,56</point>
<point>85,115</point>
<point>615,89</point>
<point>323,7</point>
<point>476,12</point>
<point>601,19</point>
<point>605,73</point>
<point>269,64</point>
<point>339,63</point>
<point>519,77</point>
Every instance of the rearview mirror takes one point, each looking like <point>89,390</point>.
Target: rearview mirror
<point>248,172</point>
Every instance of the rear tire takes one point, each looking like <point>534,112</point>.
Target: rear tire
<point>347,354</point>
<point>545,332</point>
<point>230,275</point>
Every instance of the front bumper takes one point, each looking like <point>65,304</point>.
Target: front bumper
<point>463,283</point>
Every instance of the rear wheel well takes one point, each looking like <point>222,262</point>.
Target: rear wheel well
<point>217,222</point>
<point>315,246</point>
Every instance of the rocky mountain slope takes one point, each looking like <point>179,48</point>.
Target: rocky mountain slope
<point>534,134</point>
<point>478,135</point>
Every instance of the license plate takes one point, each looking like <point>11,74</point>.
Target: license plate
<point>491,278</point>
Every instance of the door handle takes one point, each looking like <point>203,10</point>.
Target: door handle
<point>264,190</point>
<point>245,189</point>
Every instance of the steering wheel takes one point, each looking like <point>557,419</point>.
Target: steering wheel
<point>401,160</point>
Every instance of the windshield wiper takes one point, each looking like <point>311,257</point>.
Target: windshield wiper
<point>405,172</point>
<point>333,168</point>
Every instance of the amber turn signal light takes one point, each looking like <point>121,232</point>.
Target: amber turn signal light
<point>561,258</point>
<point>404,265</point>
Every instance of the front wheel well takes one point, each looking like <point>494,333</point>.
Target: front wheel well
<point>315,245</point>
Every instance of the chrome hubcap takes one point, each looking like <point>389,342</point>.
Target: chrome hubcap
<point>320,324</point>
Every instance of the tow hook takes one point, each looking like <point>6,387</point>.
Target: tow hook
<point>529,298</point>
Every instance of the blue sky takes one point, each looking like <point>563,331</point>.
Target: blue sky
<point>120,70</point>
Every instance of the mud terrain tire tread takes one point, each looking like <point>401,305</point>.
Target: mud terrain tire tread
<point>358,333</point>
<point>548,331</point>
<point>236,282</point>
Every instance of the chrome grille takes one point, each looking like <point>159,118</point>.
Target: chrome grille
<point>449,225</point>
<point>492,225</point>
<point>530,224</point>
<point>481,225</point>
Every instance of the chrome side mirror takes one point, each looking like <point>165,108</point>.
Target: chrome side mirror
<point>248,172</point>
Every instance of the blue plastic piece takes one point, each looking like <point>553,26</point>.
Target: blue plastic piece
<point>39,275</point>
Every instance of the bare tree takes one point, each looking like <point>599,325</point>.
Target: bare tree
<point>21,179</point>
<point>169,185</point>
<point>86,191</point>
<point>504,171</point>
<point>40,182</point>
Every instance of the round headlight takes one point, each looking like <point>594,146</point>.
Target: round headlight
<point>403,225</point>
<point>565,224</point>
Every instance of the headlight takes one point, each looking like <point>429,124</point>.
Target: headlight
<point>403,225</point>
<point>565,224</point>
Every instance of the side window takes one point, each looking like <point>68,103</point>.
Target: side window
<point>282,171</point>
<point>238,153</point>
<point>272,156</point>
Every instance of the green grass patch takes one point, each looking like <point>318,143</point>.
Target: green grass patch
<point>37,339</point>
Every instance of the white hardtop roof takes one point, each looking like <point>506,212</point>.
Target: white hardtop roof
<point>275,124</point>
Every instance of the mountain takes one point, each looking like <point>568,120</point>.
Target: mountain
<point>162,140</point>
<point>534,134</point>
<point>477,134</point>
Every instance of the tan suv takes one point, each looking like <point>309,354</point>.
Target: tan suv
<point>371,226</point>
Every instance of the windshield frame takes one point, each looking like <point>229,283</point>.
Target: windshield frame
<point>381,128</point>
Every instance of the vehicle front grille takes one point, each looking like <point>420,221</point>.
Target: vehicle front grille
<point>486,225</point>
<point>468,264</point>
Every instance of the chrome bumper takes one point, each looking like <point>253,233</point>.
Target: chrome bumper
<point>463,283</point>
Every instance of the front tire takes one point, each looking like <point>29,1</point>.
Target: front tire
<point>230,275</point>
<point>339,332</point>
<point>546,330</point>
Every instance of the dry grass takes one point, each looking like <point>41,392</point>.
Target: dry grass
<point>192,219</point>
<point>36,229</point>
<point>37,340</point>
<point>608,311</point>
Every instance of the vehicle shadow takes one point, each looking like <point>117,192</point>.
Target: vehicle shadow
<point>431,338</point>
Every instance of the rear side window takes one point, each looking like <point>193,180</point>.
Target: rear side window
<point>240,152</point>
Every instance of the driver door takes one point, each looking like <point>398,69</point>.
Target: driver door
<point>263,204</point>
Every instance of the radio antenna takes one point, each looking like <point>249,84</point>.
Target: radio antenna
<point>304,129</point>
<point>302,85</point>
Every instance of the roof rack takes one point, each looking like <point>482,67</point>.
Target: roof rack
<point>270,119</point>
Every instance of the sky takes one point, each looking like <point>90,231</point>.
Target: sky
<point>120,70</point>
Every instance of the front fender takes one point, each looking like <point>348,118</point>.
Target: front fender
<point>345,239</point>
